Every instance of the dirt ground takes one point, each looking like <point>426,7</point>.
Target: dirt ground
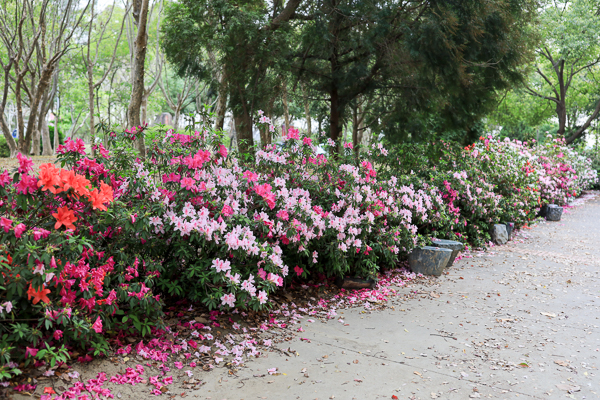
<point>13,163</point>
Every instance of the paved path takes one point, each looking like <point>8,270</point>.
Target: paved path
<point>518,322</point>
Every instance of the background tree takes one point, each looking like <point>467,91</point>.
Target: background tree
<point>140,16</point>
<point>36,36</point>
<point>246,39</point>
<point>442,59</point>
<point>97,32</point>
<point>567,54</point>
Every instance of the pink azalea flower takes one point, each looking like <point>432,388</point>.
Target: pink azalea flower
<point>222,150</point>
<point>228,299</point>
<point>25,164</point>
<point>97,326</point>
<point>30,352</point>
<point>262,297</point>
<point>5,223</point>
<point>19,229</point>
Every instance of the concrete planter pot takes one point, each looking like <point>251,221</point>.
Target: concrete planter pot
<point>455,246</point>
<point>554,212</point>
<point>429,260</point>
<point>499,234</point>
<point>510,227</point>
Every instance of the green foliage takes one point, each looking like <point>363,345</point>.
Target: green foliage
<point>4,149</point>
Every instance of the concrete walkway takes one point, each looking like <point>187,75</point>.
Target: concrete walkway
<point>520,321</point>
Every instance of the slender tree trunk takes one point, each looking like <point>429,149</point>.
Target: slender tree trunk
<point>286,110</point>
<point>22,146</point>
<point>34,109</point>
<point>268,134</point>
<point>307,111</point>
<point>361,126</point>
<point>56,136</point>
<point>232,135</point>
<point>140,47</point>
<point>264,137</point>
<point>355,123</point>
<point>47,151</point>
<point>12,145</point>
<point>221,104</point>
<point>91,107</point>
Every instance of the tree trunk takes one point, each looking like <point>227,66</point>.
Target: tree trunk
<point>36,142</point>
<point>91,107</point>
<point>232,136</point>
<point>34,109</point>
<point>286,110</point>
<point>137,91</point>
<point>221,104</point>
<point>176,119</point>
<point>243,129</point>
<point>355,123</point>
<point>56,136</point>
<point>361,125</point>
<point>47,144</point>
<point>334,116</point>
<point>307,111</point>
<point>561,113</point>
<point>144,108</point>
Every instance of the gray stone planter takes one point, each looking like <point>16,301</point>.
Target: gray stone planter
<point>456,248</point>
<point>429,260</point>
<point>554,212</point>
<point>499,234</point>
<point>510,226</point>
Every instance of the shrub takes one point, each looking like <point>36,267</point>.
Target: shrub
<point>93,245</point>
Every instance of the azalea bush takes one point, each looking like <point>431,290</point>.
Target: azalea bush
<point>564,173</point>
<point>229,232</point>
<point>97,244</point>
<point>491,181</point>
<point>62,281</point>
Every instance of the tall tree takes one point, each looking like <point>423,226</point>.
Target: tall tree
<point>140,14</point>
<point>247,39</point>
<point>445,58</point>
<point>36,35</point>
<point>570,49</point>
<point>96,35</point>
<point>177,98</point>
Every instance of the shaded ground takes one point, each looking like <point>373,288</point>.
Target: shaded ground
<point>520,321</point>
<point>13,163</point>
